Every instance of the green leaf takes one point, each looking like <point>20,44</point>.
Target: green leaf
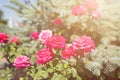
<point>44,74</point>
<point>74,72</point>
<point>65,65</point>
<point>55,77</point>
<point>59,67</point>
<point>41,74</point>
<point>68,71</point>
<point>61,77</point>
<point>50,70</point>
<point>32,71</point>
<point>58,77</point>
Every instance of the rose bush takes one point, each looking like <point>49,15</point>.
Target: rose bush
<point>53,56</point>
<point>66,53</point>
<point>57,58</point>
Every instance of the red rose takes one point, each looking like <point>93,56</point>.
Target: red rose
<point>84,44</point>
<point>56,42</point>
<point>21,62</point>
<point>68,52</point>
<point>3,38</point>
<point>15,39</point>
<point>45,55</point>
<point>34,35</point>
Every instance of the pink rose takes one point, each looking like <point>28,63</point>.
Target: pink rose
<point>3,38</point>
<point>56,42</point>
<point>21,62</point>
<point>91,4</point>
<point>15,39</point>
<point>45,55</point>
<point>79,10</point>
<point>44,35</point>
<point>34,35</point>
<point>57,21</point>
<point>84,44</point>
<point>68,52</point>
<point>95,14</point>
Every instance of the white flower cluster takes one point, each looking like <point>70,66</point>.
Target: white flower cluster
<point>103,60</point>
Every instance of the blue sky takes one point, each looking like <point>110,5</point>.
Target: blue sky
<point>8,12</point>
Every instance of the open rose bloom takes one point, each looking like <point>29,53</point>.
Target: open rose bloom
<point>3,38</point>
<point>21,62</point>
<point>56,42</point>
<point>44,56</point>
<point>68,52</point>
<point>85,44</point>
<point>44,35</point>
<point>34,35</point>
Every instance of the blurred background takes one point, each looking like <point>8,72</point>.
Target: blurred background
<point>7,15</point>
<point>29,14</point>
